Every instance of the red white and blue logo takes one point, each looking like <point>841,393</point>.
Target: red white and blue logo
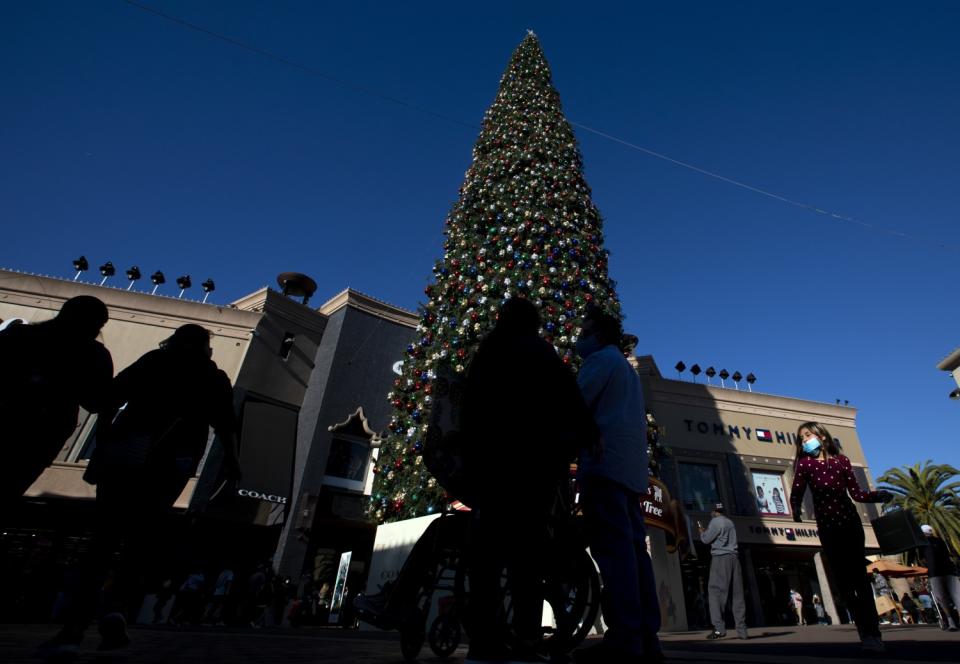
<point>764,436</point>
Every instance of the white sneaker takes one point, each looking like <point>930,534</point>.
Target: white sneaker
<point>872,644</point>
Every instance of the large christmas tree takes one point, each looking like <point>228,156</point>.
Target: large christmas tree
<point>524,226</point>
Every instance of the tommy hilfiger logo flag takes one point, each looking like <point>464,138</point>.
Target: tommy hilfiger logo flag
<point>764,436</point>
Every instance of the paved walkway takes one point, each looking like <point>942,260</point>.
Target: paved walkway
<point>787,645</point>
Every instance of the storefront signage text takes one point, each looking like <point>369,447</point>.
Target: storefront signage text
<point>789,533</point>
<point>731,431</point>
<point>269,497</point>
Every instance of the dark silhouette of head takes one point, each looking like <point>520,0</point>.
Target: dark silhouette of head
<point>607,328</point>
<point>83,316</point>
<point>517,317</point>
<point>189,339</point>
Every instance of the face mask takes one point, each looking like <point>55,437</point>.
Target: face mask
<point>587,346</point>
<point>812,447</point>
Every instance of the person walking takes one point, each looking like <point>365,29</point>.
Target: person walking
<point>828,474</point>
<point>942,573</point>
<point>613,479</point>
<point>49,370</point>
<point>725,573</point>
<point>819,609</point>
<point>796,606</point>
<point>522,418</point>
<point>164,404</point>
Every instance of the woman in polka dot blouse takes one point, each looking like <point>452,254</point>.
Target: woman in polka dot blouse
<point>830,477</point>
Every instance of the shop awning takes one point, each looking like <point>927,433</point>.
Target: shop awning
<point>895,570</point>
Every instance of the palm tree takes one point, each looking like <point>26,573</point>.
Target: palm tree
<point>925,491</point>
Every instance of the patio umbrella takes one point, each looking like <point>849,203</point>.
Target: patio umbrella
<point>895,570</point>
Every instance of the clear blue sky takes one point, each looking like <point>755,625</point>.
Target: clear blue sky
<point>128,138</point>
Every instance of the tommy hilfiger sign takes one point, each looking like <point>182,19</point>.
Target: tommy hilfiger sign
<point>731,431</point>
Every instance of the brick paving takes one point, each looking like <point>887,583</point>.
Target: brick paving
<point>809,645</point>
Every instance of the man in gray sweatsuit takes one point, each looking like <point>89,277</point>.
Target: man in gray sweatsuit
<point>721,535</point>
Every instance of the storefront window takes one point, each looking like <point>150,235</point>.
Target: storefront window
<point>699,482</point>
<point>348,459</point>
<point>772,499</point>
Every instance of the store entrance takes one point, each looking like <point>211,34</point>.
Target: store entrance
<point>695,571</point>
<point>780,570</point>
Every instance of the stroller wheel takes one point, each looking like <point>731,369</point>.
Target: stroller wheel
<point>445,634</point>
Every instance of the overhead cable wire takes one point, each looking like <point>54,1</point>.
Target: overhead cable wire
<point>764,192</point>
<point>350,85</point>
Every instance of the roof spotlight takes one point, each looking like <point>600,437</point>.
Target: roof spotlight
<point>695,370</point>
<point>737,377</point>
<point>107,270</point>
<point>955,394</point>
<point>711,372</point>
<point>208,287</point>
<point>751,379</point>
<point>184,283</point>
<point>133,274</point>
<point>680,366</point>
<point>80,265</point>
<point>158,280</point>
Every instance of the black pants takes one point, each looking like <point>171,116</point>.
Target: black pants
<point>843,548</point>
<point>511,537</point>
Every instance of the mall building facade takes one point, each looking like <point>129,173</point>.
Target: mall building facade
<point>737,447</point>
<point>310,389</point>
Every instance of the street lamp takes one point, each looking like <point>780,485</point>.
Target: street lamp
<point>80,265</point>
<point>737,377</point>
<point>680,366</point>
<point>751,379</point>
<point>695,370</point>
<point>724,374</point>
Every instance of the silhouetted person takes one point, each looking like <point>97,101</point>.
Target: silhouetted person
<point>47,371</point>
<point>523,418</point>
<point>942,573</point>
<point>613,479</point>
<point>142,463</point>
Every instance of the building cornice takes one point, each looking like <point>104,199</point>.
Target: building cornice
<point>43,292</point>
<point>351,298</point>
<point>271,302</point>
<point>950,362</point>
<point>758,403</point>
